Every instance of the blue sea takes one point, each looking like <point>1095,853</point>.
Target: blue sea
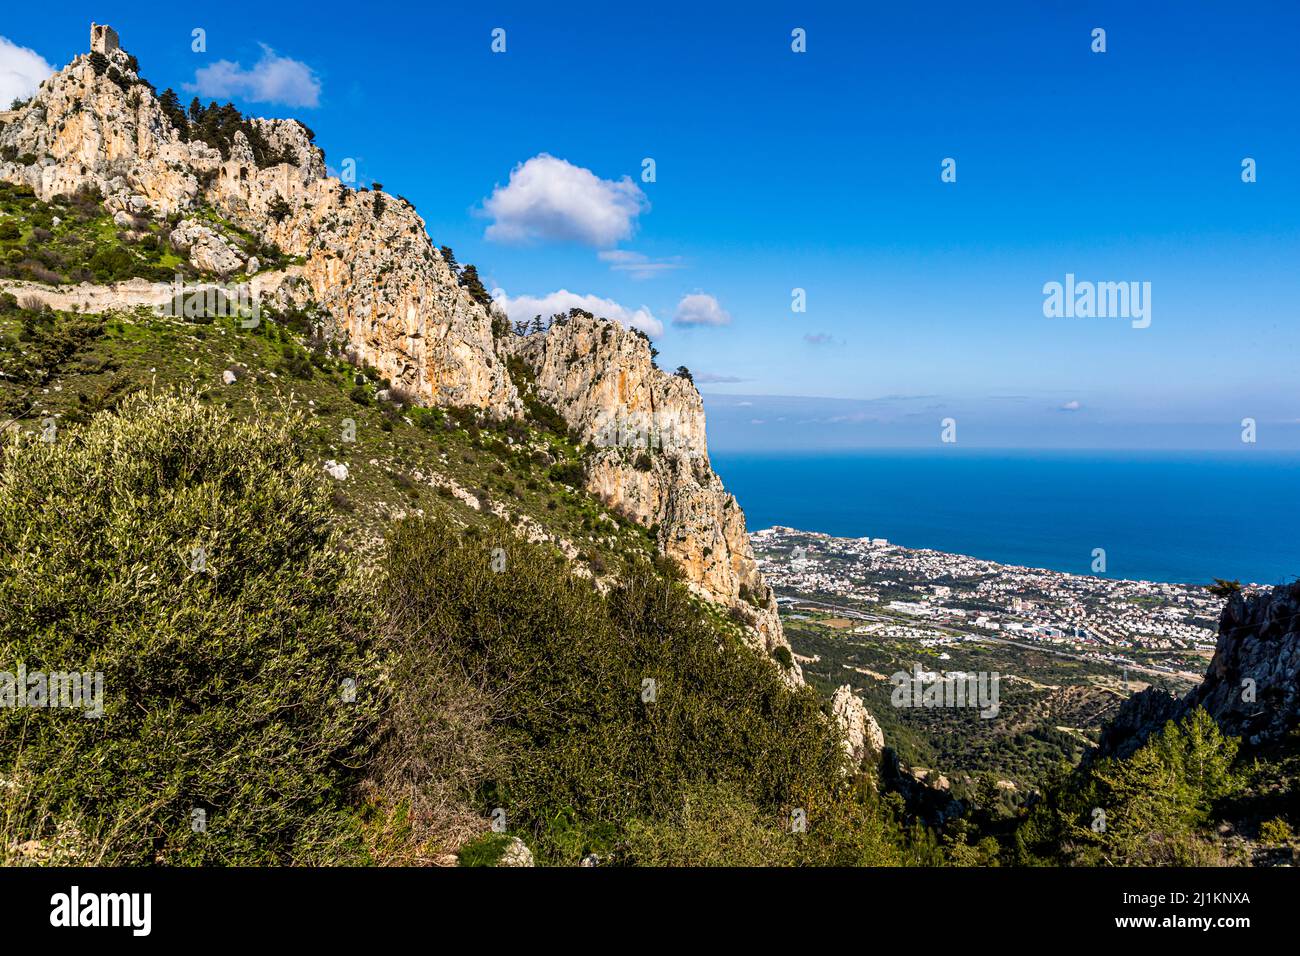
<point>1160,516</point>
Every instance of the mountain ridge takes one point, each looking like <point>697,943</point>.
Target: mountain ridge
<point>364,258</point>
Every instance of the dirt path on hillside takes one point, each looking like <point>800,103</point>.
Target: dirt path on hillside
<point>87,297</point>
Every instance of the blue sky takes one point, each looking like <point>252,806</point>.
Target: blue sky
<point>778,170</point>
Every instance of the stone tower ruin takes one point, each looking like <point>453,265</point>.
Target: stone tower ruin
<point>103,39</point>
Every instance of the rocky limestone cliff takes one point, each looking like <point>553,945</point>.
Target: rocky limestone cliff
<point>367,262</point>
<point>1252,686</point>
<point>861,734</point>
<point>650,460</point>
<point>86,130</point>
<point>367,258</point>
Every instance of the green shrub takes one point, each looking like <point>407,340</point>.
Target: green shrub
<point>1276,832</point>
<point>296,363</point>
<point>222,668</point>
<point>278,209</point>
<point>112,264</point>
<point>564,672</point>
<point>546,417</point>
<point>485,850</point>
<point>715,826</point>
<point>1149,809</point>
<point>572,473</point>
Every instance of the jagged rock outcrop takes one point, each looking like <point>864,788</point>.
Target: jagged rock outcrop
<point>650,461</point>
<point>86,130</point>
<point>293,141</point>
<point>516,853</point>
<point>367,258</point>
<point>1252,686</point>
<point>208,251</point>
<point>861,734</point>
<point>397,301</point>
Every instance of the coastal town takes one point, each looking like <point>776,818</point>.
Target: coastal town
<point>937,599</point>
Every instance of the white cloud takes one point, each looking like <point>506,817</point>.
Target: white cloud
<point>522,309</point>
<point>273,79</point>
<point>21,71</point>
<point>819,338</point>
<point>637,264</point>
<point>1071,406</point>
<point>700,309</point>
<point>549,198</point>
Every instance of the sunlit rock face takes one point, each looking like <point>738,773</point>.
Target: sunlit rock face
<point>367,259</point>
<point>859,731</point>
<point>651,460</point>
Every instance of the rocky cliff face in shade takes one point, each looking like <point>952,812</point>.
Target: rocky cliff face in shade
<point>651,460</point>
<point>1252,687</point>
<point>367,258</point>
